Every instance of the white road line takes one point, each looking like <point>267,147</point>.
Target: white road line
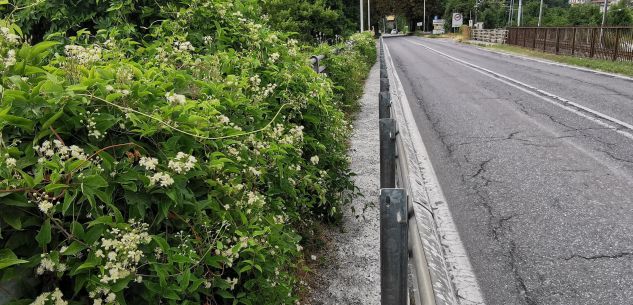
<point>588,113</point>
<point>461,271</point>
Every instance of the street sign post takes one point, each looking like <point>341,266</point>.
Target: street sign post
<point>458,20</point>
<point>438,26</point>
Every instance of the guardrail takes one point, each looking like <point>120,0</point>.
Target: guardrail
<point>315,63</point>
<point>611,43</point>
<point>400,241</point>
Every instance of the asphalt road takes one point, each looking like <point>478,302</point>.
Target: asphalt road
<point>536,162</point>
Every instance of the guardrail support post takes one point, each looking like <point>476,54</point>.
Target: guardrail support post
<point>384,105</point>
<point>394,254</point>
<point>387,130</point>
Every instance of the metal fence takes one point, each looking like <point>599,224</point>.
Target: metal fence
<point>611,43</point>
<point>400,241</point>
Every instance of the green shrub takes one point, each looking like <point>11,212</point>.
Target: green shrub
<point>348,68</point>
<point>175,170</point>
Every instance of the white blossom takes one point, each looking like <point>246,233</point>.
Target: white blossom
<point>148,163</point>
<point>10,162</point>
<point>174,98</point>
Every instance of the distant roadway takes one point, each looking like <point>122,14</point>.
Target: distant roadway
<point>536,163</point>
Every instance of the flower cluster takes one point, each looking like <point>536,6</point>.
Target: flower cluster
<point>56,148</point>
<point>294,135</point>
<point>44,201</point>
<point>176,99</point>
<point>121,251</point>
<point>47,264</point>
<point>148,163</point>
<point>102,295</point>
<point>163,179</point>
<point>183,163</point>
<point>82,55</point>
<point>10,162</point>
<point>183,46</point>
<point>10,59</point>
<point>9,38</point>
<point>56,297</point>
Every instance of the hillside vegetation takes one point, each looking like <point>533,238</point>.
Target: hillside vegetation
<point>166,152</point>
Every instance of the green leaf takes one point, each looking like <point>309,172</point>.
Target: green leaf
<point>17,121</point>
<point>41,47</point>
<point>52,119</point>
<point>12,219</point>
<point>91,262</point>
<point>44,236</point>
<point>8,258</point>
<point>74,248</point>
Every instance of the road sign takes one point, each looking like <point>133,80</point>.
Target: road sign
<point>419,24</point>
<point>438,26</point>
<point>458,20</point>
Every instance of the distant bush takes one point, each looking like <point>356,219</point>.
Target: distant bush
<point>179,169</point>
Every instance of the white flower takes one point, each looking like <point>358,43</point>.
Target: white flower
<point>174,98</point>
<point>148,163</point>
<point>183,163</point>
<point>10,59</point>
<point>163,179</point>
<point>110,298</point>
<point>109,88</point>
<point>232,282</point>
<point>223,119</point>
<point>313,257</point>
<point>44,206</point>
<point>11,162</point>
<point>83,56</point>
<point>254,171</point>
<point>274,56</point>
<point>314,160</point>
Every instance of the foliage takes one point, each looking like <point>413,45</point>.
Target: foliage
<point>177,169</point>
<point>348,66</point>
<point>41,17</point>
<point>309,19</point>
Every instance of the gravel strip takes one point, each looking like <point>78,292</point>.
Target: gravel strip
<point>351,275</point>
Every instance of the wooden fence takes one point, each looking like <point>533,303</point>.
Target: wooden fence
<point>611,43</point>
<point>494,36</point>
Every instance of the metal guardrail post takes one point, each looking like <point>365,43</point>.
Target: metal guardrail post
<point>394,256</point>
<point>384,105</point>
<point>387,130</point>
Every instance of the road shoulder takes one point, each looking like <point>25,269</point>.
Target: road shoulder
<point>349,271</point>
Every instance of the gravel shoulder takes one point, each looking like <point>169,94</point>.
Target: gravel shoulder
<point>349,271</point>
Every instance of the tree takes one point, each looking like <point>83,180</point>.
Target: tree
<point>620,14</point>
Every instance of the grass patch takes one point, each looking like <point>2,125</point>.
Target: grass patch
<point>624,68</point>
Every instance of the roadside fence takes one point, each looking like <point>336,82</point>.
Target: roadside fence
<point>611,43</point>
<point>493,35</point>
<point>400,241</point>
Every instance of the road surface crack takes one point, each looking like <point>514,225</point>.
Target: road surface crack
<point>521,286</point>
<point>599,256</point>
<point>614,157</point>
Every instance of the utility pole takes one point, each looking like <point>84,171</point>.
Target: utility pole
<point>511,13</point>
<point>424,18</point>
<point>604,13</point>
<point>368,15</point>
<point>362,13</point>
<point>520,12</point>
<point>540,13</point>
